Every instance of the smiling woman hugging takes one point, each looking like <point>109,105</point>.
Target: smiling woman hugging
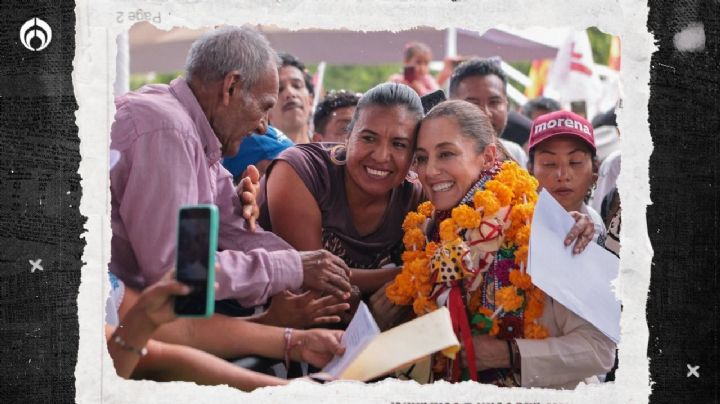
<point>351,198</point>
<point>467,250</point>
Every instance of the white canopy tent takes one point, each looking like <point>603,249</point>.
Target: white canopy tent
<point>147,49</point>
<point>156,50</point>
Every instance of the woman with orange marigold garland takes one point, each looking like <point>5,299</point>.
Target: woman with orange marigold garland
<point>478,226</point>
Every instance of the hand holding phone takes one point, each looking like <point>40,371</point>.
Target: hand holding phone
<point>196,247</point>
<point>409,74</point>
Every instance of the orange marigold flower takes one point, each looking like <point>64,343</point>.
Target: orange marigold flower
<point>522,235</point>
<point>531,197</point>
<point>535,331</point>
<point>487,201</point>
<point>533,310</point>
<point>503,192</point>
<point>520,280</point>
<point>521,255</point>
<point>423,305</point>
<point>430,249</point>
<point>414,239</point>
<point>409,255</point>
<point>426,208</point>
<point>424,288</point>
<point>508,298</point>
<point>419,267</point>
<point>522,213</point>
<point>511,232</point>
<point>535,304</point>
<point>413,220</point>
<point>508,172</point>
<point>448,230</point>
<point>395,294</point>
<point>466,217</point>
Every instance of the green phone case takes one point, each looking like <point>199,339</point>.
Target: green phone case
<point>212,246</point>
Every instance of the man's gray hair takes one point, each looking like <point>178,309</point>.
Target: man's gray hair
<point>225,49</point>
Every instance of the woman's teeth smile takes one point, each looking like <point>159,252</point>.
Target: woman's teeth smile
<point>377,173</point>
<point>443,186</point>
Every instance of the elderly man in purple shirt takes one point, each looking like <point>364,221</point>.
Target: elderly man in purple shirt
<point>172,139</point>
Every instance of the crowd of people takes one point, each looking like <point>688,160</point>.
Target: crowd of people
<point>315,212</point>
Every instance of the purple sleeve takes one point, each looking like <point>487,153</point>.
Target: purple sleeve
<point>267,264</point>
<point>162,176</point>
<point>170,170</point>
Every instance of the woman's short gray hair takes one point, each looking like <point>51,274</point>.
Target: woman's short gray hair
<point>225,49</point>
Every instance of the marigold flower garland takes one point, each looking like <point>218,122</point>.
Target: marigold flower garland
<point>513,188</point>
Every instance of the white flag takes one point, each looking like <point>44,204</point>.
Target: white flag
<point>572,77</point>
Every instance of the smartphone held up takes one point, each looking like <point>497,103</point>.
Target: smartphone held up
<point>195,263</point>
<point>409,74</point>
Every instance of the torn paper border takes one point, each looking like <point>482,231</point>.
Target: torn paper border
<point>93,78</point>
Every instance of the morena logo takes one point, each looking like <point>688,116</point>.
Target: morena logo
<point>35,34</point>
<point>568,123</point>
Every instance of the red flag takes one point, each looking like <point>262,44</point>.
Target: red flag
<point>614,57</point>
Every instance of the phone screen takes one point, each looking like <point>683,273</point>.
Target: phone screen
<point>432,99</point>
<point>194,259</point>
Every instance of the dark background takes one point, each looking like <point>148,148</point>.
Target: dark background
<point>684,219</point>
<point>40,195</point>
<point>39,216</point>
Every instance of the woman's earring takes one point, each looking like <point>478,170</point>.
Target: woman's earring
<point>412,176</point>
<point>334,155</point>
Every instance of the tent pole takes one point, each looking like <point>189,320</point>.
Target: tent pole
<point>451,42</point>
<point>122,65</point>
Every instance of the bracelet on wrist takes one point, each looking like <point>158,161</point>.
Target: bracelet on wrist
<point>127,347</point>
<point>289,345</point>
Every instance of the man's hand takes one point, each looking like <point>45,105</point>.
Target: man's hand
<point>247,190</point>
<point>354,302</point>
<point>325,273</point>
<point>581,233</point>
<point>288,309</point>
<point>317,347</point>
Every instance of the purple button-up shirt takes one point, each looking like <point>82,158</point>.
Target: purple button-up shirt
<point>171,157</point>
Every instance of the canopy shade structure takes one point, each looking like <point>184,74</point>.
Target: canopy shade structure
<point>155,50</point>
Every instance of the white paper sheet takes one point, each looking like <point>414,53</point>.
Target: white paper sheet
<point>579,282</point>
<point>361,330</point>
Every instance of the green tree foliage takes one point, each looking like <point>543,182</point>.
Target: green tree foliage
<point>357,78</point>
<point>139,80</point>
<point>361,78</point>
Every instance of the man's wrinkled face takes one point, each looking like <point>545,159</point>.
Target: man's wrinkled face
<point>246,112</point>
